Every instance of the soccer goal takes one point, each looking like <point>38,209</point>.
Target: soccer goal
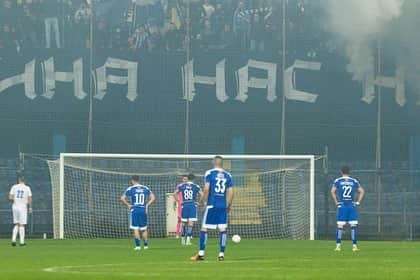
<point>274,194</point>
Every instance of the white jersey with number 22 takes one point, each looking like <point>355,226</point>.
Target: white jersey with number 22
<point>21,194</point>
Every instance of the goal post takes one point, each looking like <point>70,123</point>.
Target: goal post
<point>274,194</point>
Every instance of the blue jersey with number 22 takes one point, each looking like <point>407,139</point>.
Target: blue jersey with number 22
<point>219,181</point>
<point>346,189</point>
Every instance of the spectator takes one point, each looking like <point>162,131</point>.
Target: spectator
<point>139,40</point>
<point>120,37</point>
<point>227,37</point>
<point>155,39</point>
<point>207,10</point>
<point>8,14</point>
<point>50,12</point>
<point>29,26</point>
<point>82,24</point>
<point>207,35</point>
<point>257,34</point>
<point>9,38</point>
<point>240,25</point>
<point>149,11</point>
<point>218,19</point>
<point>101,34</point>
<point>172,38</point>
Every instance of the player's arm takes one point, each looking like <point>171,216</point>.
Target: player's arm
<point>334,195</point>
<point>30,203</point>
<point>205,193</point>
<point>230,194</point>
<point>12,195</point>
<point>199,197</point>
<point>124,200</point>
<point>152,199</point>
<point>176,200</point>
<point>361,195</point>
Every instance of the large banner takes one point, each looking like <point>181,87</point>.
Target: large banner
<point>227,87</point>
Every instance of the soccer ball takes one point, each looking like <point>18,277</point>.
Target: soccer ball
<point>236,238</point>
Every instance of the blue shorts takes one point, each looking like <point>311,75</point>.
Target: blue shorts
<point>138,219</point>
<point>189,213</point>
<point>215,218</point>
<point>347,214</point>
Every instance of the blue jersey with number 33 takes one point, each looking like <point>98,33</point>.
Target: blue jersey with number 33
<point>346,189</point>
<point>219,181</point>
<point>138,195</point>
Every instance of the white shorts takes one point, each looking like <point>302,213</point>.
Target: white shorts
<point>20,215</point>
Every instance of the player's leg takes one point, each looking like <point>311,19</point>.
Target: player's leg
<point>145,236</point>
<point>208,223</point>
<point>353,221</point>
<point>184,220</point>
<point>354,236</point>
<point>23,216</point>
<point>192,217</point>
<point>22,235</point>
<point>189,231</point>
<point>143,229</point>
<point>178,226</point>
<point>14,234</point>
<point>341,221</point>
<point>136,235</point>
<point>339,236</point>
<point>16,226</point>
<point>179,222</point>
<point>135,226</point>
<point>222,225</point>
<point>184,232</point>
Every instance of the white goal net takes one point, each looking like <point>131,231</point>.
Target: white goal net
<point>274,195</point>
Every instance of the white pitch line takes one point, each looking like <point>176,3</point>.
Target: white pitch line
<point>169,266</point>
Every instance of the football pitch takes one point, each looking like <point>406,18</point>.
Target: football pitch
<point>167,259</point>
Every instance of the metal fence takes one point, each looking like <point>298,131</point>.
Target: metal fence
<point>390,210</point>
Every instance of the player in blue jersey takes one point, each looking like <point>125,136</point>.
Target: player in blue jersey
<point>138,199</point>
<point>218,197</point>
<point>343,193</point>
<point>189,193</point>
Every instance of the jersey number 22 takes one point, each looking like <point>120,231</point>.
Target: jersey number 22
<point>347,191</point>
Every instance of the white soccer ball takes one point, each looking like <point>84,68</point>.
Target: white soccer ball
<point>236,238</point>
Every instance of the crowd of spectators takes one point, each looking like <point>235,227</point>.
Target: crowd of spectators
<point>148,25</point>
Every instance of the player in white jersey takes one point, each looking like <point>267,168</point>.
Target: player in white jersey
<point>21,196</point>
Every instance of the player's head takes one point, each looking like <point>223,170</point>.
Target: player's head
<point>188,178</point>
<point>345,170</point>
<point>135,179</point>
<point>185,178</point>
<point>191,177</point>
<point>21,178</point>
<point>218,161</point>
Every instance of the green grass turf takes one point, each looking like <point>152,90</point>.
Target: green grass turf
<point>166,259</point>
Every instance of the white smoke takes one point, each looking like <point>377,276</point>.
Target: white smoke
<point>357,25</point>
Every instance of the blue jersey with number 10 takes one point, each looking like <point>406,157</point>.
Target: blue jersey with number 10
<point>219,181</point>
<point>138,195</point>
<point>346,189</point>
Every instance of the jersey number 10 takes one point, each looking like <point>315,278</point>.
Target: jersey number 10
<point>220,185</point>
<point>139,199</point>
